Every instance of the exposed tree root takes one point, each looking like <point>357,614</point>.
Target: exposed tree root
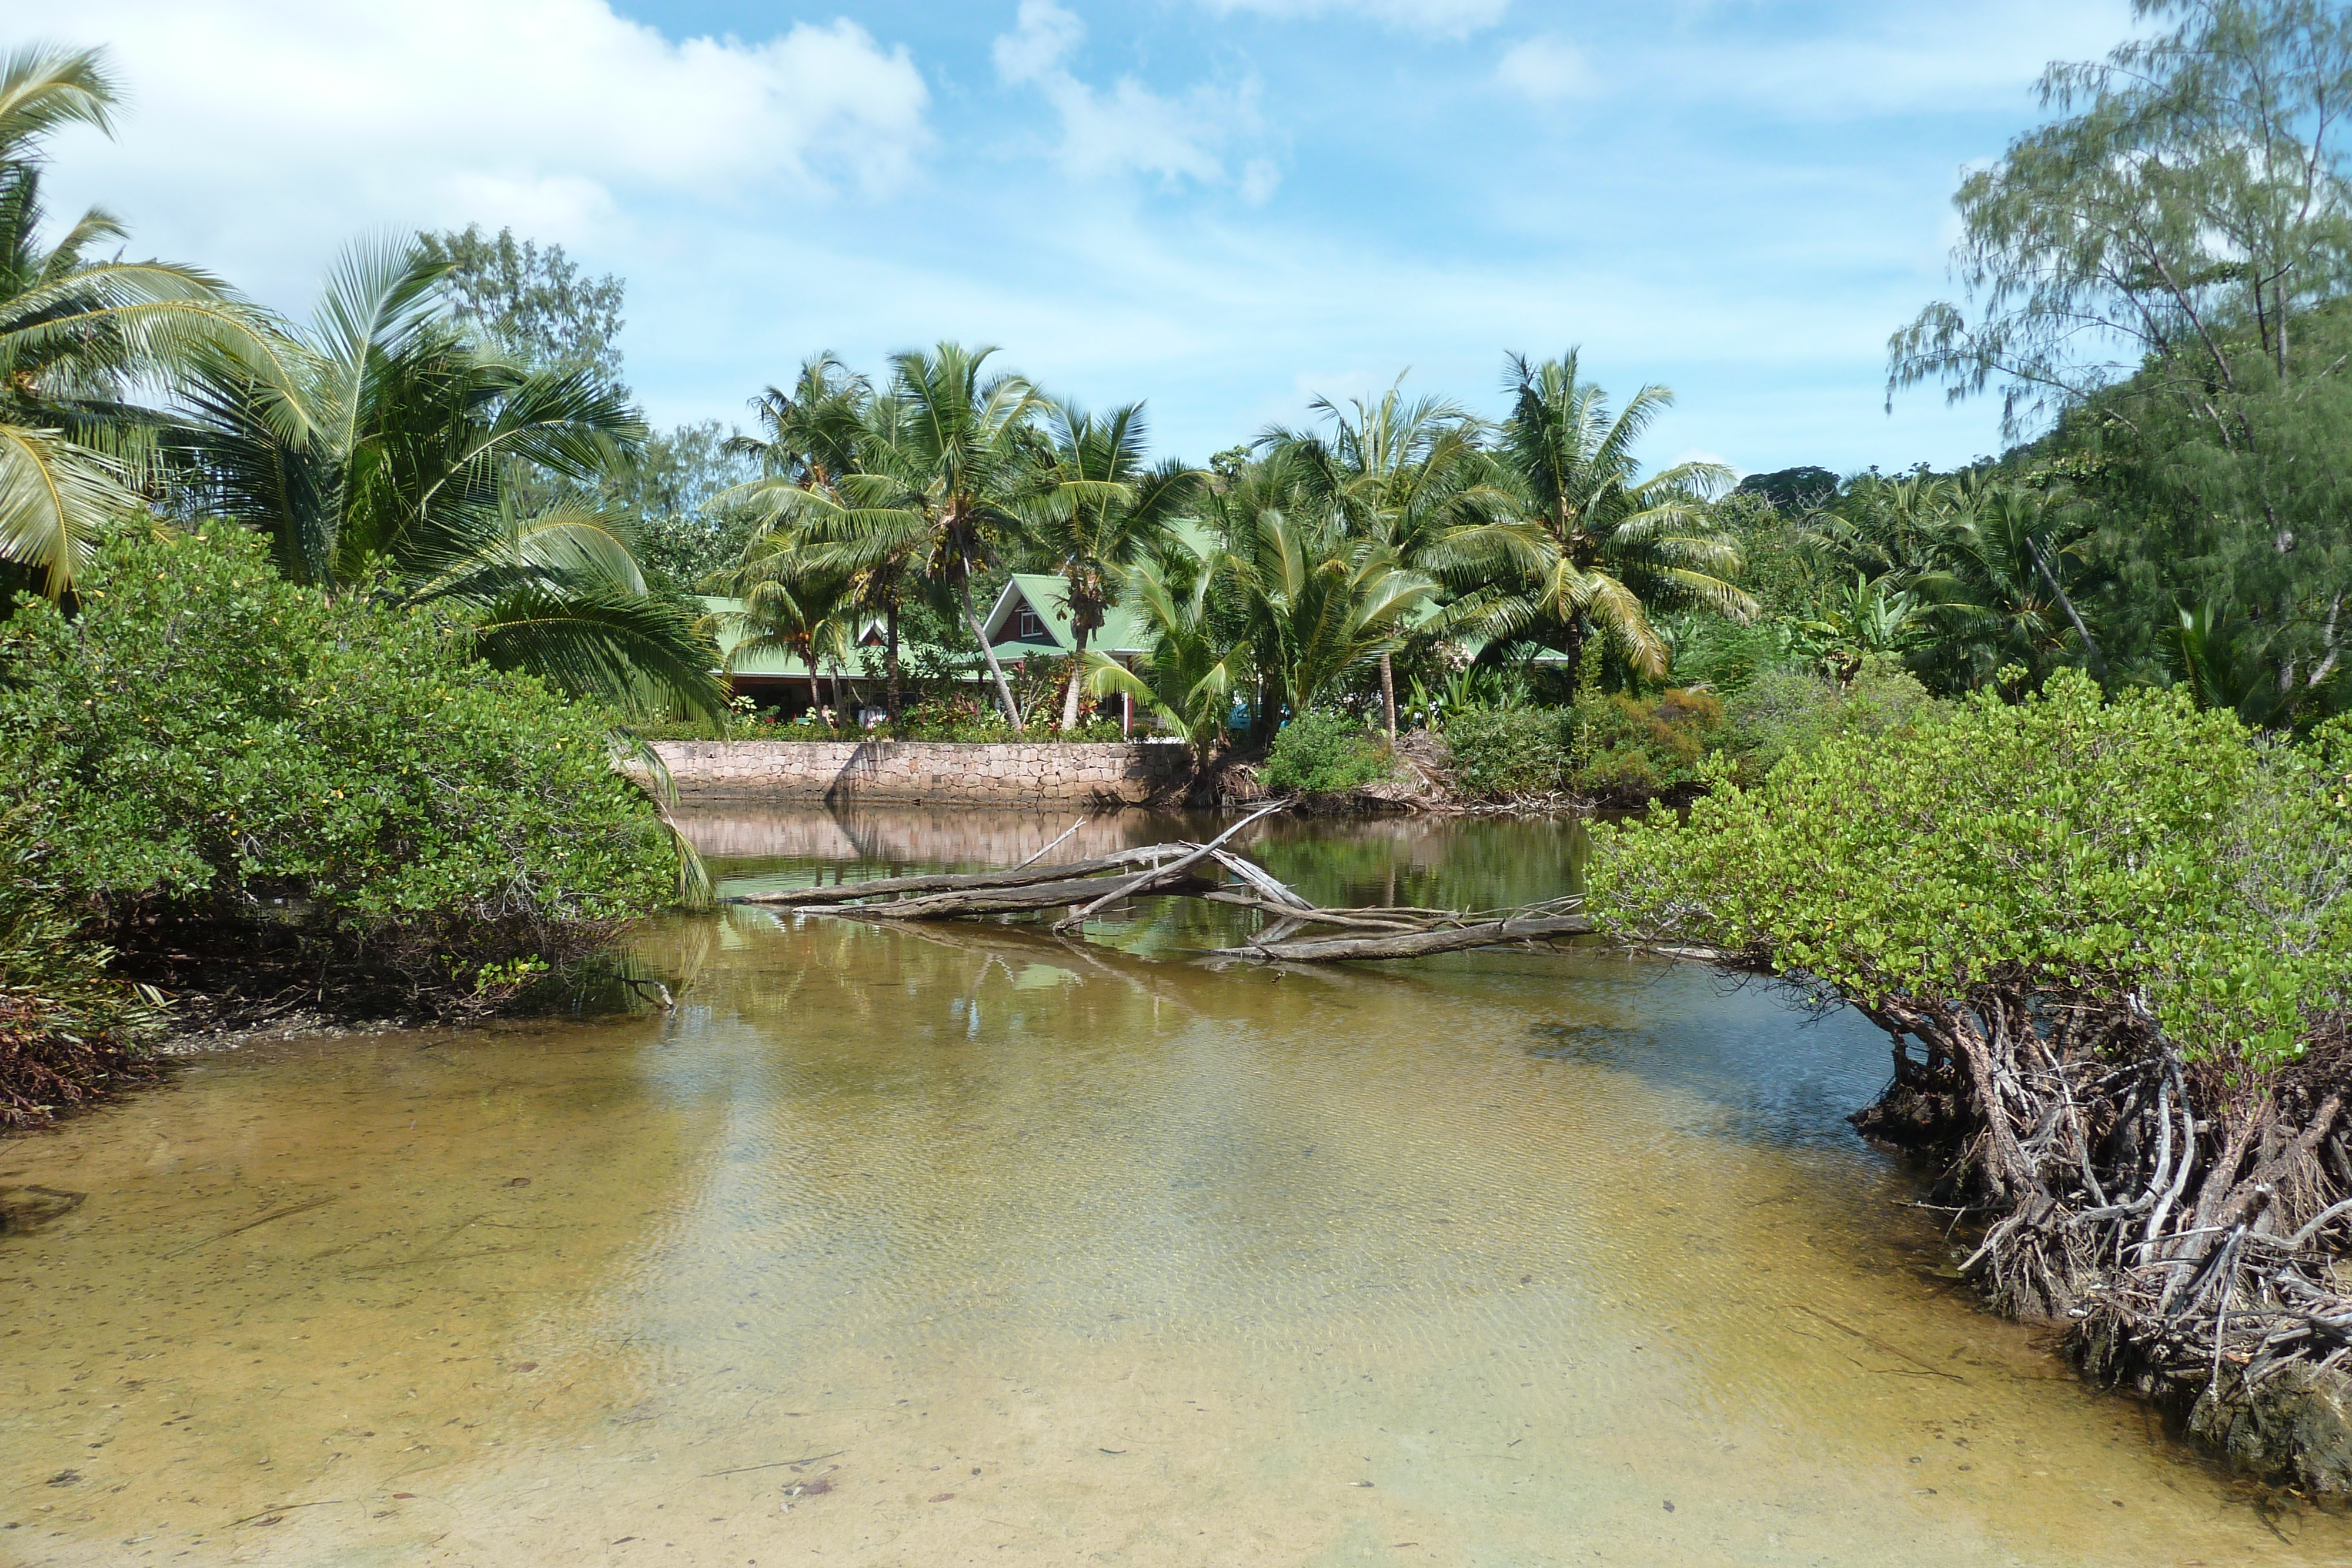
<point>2185,1222</point>
<point>49,1064</point>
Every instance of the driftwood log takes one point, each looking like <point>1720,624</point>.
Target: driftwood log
<point>1417,944</point>
<point>1173,878</point>
<point>1084,888</point>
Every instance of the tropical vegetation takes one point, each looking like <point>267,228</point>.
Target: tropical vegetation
<point>2153,283</point>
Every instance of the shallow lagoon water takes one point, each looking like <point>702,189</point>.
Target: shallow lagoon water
<point>1005,1251</point>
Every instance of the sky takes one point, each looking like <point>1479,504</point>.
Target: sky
<point>1223,207</point>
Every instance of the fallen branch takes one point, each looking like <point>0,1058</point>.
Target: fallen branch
<point>1049,848</point>
<point>1185,862</point>
<point>1175,877</point>
<point>1417,944</point>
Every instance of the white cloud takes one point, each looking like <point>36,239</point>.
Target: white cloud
<point>1546,68</point>
<point>1043,39</point>
<point>250,121</point>
<point>1130,129</point>
<point>1454,18</point>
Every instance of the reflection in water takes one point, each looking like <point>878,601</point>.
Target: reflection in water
<point>996,1246</point>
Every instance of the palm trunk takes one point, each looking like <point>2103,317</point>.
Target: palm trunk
<point>2098,659</point>
<point>1078,673</point>
<point>980,634</point>
<point>1388,701</point>
<point>890,659</point>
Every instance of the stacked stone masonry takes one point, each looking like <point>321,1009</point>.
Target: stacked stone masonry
<point>928,772</point>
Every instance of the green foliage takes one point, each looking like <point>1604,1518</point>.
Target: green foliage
<point>1722,654</point>
<point>1785,711</point>
<point>384,439</point>
<point>1792,490</point>
<point>2162,270</point>
<point>943,478</point>
<point>1186,679</point>
<point>208,740</point>
<point>534,303</point>
<point>1608,545</point>
<point>1498,753</point>
<point>683,533</point>
<point>2140,853</point>
<point>1323,751</point>
<point>1631,749</point>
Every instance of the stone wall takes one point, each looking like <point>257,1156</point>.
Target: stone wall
<point>930,772</point>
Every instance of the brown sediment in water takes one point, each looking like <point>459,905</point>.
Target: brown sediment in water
<point>1177,1262</point>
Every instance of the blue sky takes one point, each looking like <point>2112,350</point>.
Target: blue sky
<point>1222,206</point>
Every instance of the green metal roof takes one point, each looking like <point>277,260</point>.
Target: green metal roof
<point>1122,630</point>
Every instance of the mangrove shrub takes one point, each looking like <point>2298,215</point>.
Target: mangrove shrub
<point>1323,751</point>
<point>1500,752</point>
<point>202,748</point>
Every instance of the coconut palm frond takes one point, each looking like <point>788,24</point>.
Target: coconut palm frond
<point>55,499</point>
<point>638,653</point>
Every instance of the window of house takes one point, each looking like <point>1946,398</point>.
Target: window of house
<point>1027,626</point>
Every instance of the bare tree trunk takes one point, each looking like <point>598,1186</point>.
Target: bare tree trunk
<point>2098,659</point>
<point>1077,674</point>
<point>996,670</point>
<point>1388,698</point>
<point>891,660</point>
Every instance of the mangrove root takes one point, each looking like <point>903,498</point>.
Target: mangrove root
<point>2183,1220</point>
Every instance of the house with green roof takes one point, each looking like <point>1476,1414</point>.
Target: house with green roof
<point>1030,618</point>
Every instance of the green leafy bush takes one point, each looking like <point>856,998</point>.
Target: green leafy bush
<point>1631,749</point>
<point>1724,654</point>
<point>1500,753</point>
<point>1320,752</point>
<point>2128,855</point>
<point>1782,711</point>
<point>205,746</point>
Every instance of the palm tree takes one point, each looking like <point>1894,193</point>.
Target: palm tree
<point>812,430</point>
<point>950,477</point>
<point>809,615</point>
<point>1616,544</point>
<point>1107,512</point>
<point>2225,660</point>
<point>811,440</point>
<point>379,447</point>
<point>1189,676</point>
<point>1999,593</point>
<point>78,333</point>
<point>1985,566</point>
<point>1413,477</point>
<point>1322,606</point>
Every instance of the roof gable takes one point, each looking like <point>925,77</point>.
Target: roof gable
<point>1047,597</point>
